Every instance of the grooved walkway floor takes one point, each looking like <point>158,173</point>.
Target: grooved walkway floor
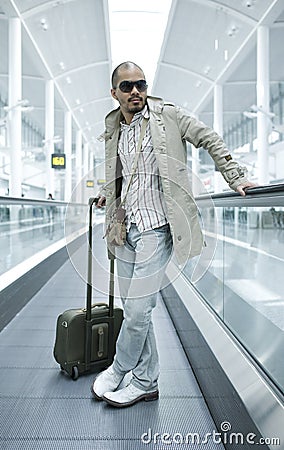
<point>41,408</point>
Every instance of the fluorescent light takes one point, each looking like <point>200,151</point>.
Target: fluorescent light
<point>206,70</point>
<point>250,114</point>
<point>44,24</point>
<point>256,108</point>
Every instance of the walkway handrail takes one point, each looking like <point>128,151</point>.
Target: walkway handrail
<point>33,201</point>
<point>268,195</point>
<point>257,196</point>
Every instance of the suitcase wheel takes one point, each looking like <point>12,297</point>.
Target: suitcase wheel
<point>75,373</point>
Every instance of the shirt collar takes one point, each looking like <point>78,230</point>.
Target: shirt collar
<point>136,118</point>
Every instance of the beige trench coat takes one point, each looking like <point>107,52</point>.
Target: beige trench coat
<point>171,127</point>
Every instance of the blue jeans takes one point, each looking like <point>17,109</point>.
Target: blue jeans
<point>141,265</point>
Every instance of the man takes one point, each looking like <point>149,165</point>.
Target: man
<point>161,216</point>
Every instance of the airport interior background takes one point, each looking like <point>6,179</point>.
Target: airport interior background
<point>222,355</point>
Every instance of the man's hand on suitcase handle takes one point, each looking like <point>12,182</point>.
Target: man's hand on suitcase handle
<point>100,201</point>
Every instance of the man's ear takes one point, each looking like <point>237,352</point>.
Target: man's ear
<point>113,93</point>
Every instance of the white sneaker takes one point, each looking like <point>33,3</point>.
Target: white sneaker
<point>129,395</point>
<point>107,381</point>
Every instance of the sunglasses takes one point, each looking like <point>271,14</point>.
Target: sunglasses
<point>127,86</point>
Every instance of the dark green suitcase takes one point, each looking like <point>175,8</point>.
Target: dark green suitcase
<point>85,338</point>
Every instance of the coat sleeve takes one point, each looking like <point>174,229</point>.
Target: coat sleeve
<point>200,135</point>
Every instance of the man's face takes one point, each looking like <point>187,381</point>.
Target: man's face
<point>133,101</point>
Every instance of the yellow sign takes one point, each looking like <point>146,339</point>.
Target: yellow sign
<point>58,161</point>
<point>101,181</point>
<point>90,183</point>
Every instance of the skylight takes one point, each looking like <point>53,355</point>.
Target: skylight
<point>137,31</point>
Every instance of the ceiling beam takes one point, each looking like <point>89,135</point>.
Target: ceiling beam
<point>43,7</point>
<point>227,9</point>
<point>93,125</point>
<point>242,50</point>
<point>81,68</point>
<point>187,71</point>
<point>277,25</point>
<point>248,82</point>
<point>26,77</point>
<point>165,41</point>
<point>211,113</point>
<point>208,3</point>
<point>97,100</point>
<point>107,34</point>
<point>51,76</point>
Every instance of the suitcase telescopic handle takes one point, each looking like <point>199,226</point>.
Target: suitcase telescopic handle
<point>96,305</point>
<point>92,201</point>
<point>89,265</point>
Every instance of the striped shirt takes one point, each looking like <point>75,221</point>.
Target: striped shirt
<point>145,204</point>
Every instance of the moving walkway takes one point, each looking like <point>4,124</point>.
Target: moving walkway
<point>219,326</point>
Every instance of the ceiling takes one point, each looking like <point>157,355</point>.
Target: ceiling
<point>205,43</point>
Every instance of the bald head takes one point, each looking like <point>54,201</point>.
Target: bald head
<point>127,65</point>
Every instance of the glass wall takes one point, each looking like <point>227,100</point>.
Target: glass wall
<point>32,135</point>
<point>29,226</point>
<point>241,135</point>
<point>242,281</point>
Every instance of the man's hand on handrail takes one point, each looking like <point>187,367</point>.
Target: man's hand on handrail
<point>241,188</point>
